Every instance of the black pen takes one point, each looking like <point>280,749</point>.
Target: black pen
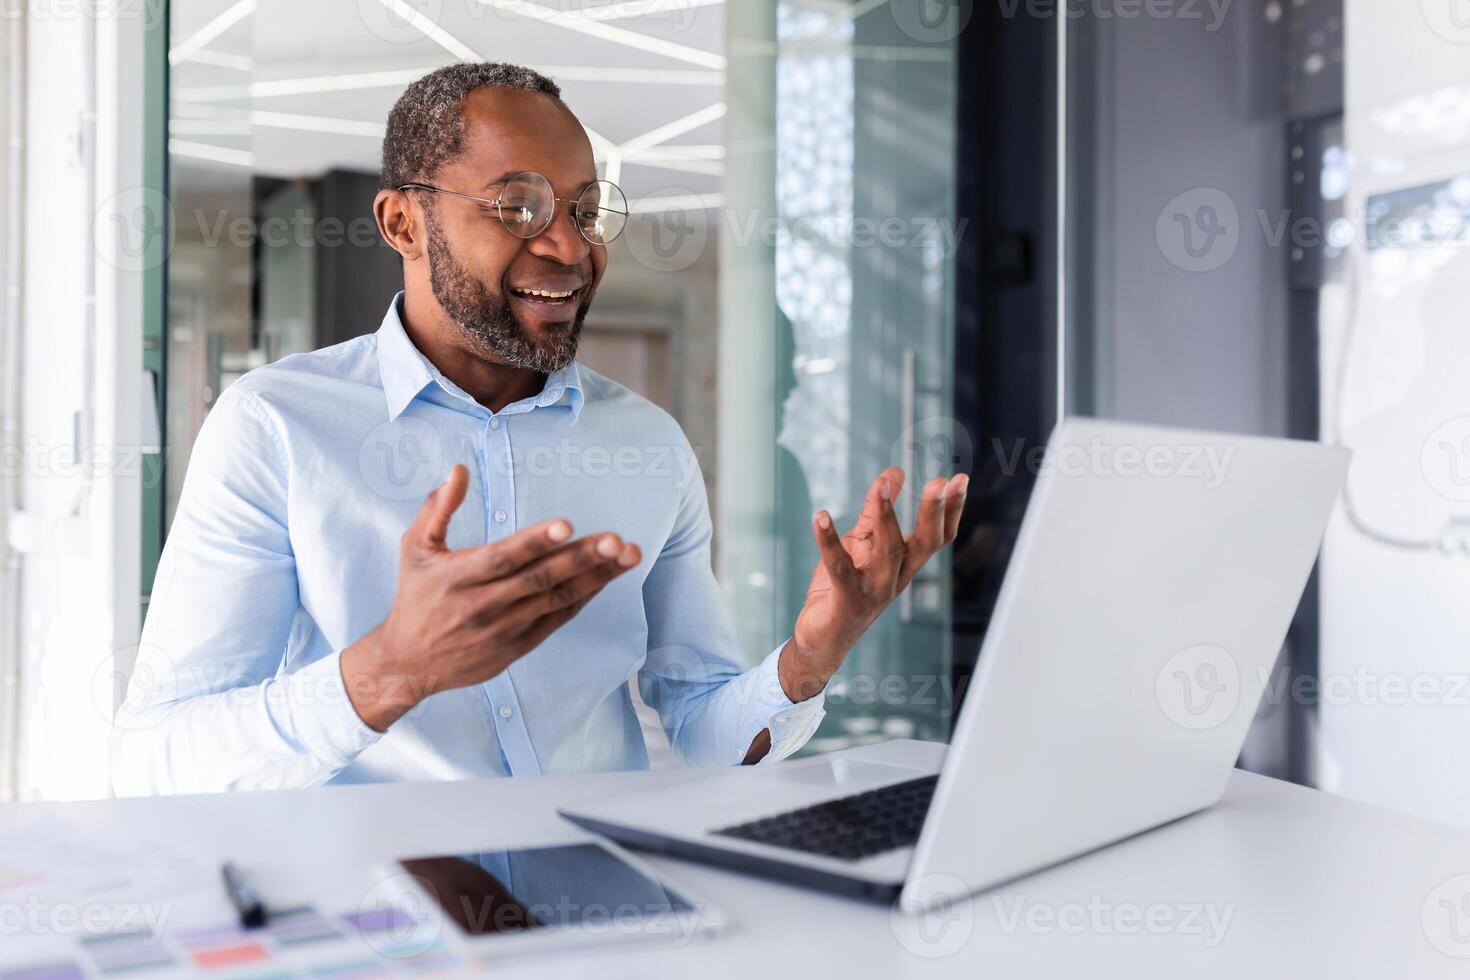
<point>243,896</point>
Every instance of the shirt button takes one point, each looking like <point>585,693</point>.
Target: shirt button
<point>500,517</point>
<point>505,711</point>
<point>494,423</point>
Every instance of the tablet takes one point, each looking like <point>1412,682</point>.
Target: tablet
<point>548,898</point>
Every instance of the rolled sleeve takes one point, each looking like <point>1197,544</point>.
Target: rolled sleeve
<point>792,723</point>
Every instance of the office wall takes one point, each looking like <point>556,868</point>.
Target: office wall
<point>1169,115</point>
<point>1395,581</point>
<point>1172,110</point>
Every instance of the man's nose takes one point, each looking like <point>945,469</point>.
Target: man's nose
<point>561,241</point>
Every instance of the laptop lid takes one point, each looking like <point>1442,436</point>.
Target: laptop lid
<point>1148,596</point>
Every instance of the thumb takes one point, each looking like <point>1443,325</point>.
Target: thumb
<point>432,524</point>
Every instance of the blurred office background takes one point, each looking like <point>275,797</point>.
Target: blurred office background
<point>866,232</point>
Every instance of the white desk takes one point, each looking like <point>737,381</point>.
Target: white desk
<point>1313,885</point>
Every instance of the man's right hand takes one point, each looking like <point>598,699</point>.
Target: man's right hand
<point>461,617</point>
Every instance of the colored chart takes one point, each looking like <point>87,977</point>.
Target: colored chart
<point>295,943</point>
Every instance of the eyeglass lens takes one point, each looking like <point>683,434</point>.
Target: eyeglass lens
<point>528,204</point>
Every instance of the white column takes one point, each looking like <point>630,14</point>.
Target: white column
<point>745,520</point>
<point>81,351</point>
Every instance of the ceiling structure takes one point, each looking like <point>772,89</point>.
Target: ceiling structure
<point>286,88</point>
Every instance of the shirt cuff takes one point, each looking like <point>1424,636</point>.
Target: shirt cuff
<point>791,724</point>
<point>322,713</point>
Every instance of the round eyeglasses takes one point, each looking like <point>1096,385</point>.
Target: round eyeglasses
<point>527,205</point>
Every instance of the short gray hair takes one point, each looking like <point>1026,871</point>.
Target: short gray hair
<point>426,126</point>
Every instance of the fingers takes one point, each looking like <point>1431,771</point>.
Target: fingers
<point>954,505</point>
<point>891,478</point>
<point>574,591</point>
<point>498,559</point>
<point>429,528</point>
<point>888,543</point>
<point>928,534</point>
<point>834,556</point>
<point>551,571</point>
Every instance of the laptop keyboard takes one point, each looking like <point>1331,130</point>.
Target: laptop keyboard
<point>849,828</point>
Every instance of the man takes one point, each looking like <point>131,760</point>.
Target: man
<point>315,619</point>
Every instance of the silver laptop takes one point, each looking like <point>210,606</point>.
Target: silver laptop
<point>1151,587</point>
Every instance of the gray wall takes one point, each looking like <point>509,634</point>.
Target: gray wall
<point>1168,116</point>
<point>1164,107</point>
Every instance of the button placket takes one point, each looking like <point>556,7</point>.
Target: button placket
<point>509,721</point>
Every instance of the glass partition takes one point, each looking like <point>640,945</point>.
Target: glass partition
<point>784,289</point>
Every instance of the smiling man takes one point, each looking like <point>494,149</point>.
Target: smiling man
<point>320,615</point>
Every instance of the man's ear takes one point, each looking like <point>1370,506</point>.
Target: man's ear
<point>395,217</point>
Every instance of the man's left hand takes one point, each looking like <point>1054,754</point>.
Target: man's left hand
<point>863,571</point>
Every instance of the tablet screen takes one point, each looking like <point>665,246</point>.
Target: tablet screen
<point>583,886</point>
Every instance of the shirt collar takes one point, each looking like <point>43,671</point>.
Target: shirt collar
<point>406,372</point>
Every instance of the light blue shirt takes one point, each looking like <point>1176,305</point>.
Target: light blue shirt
<point>284,551</point>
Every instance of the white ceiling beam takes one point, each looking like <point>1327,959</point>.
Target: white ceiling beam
<point>632,76</point>
<point>574,21</point>
<point>602,147</point>
<point>317,124</point>
<point>210,127</point>
<point>310,85</point>
<point>710,168</point>
<point>689,202</point>
<point>612,165</point>
<point>225,20</point>
<point>668,131</point>
<point>626,9</point>
<point>426,26</point>
<point>189,110</point>
<point>210,152</point>
<point>315,84</point>
<point>683,151</point>
<point>259,119</point>
<point>221,59</point>
<point>464,52</point>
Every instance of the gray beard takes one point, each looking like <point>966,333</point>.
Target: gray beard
<point>485,318</point>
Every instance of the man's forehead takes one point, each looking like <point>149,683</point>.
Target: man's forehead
<point>508,130</point>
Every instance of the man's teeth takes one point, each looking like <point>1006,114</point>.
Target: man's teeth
<point>546,293</point>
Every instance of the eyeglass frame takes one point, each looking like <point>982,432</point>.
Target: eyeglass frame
<point>419,185</point>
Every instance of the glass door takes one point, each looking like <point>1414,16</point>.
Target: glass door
<point>837,326</point>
